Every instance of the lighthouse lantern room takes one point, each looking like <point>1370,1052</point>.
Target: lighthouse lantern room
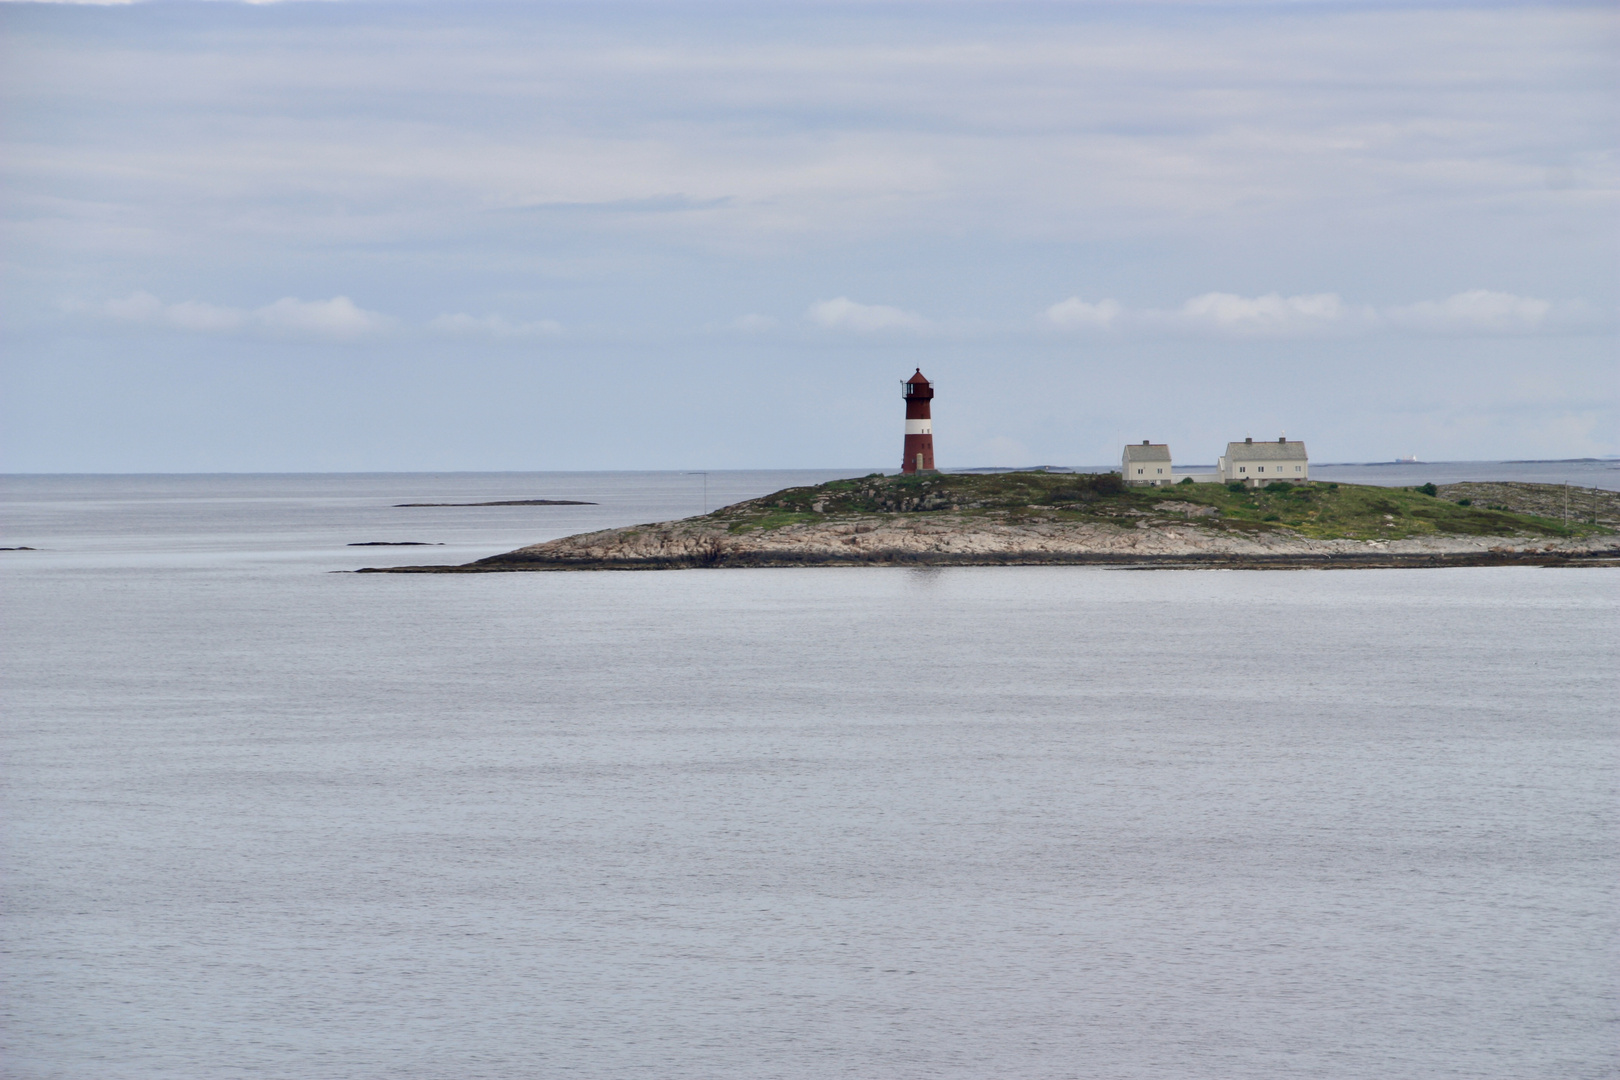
<point>919,452</point>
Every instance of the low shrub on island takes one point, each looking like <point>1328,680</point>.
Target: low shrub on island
<point>1311,509</point>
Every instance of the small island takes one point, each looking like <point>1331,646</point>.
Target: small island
<point>1050,518</point>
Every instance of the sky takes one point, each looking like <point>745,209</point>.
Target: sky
<point>686,235</point>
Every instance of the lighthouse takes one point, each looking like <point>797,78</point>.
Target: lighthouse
<point>919,453</point>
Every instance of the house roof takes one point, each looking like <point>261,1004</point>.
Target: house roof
<point>1151,452</point>
<point>1265,451</point>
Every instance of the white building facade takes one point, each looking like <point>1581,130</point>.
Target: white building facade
<point>1148,463</point>
<point>1259,463</point>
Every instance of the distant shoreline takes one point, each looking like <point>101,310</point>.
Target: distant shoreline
<point>850,469</point>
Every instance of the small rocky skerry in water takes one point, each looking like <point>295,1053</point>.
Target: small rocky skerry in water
<point>503,502</point>
<point>1039,518</point>
<point>396,543</point>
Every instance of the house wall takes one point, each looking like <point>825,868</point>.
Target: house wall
<point>1263,472</point>
<point>1146,472</point>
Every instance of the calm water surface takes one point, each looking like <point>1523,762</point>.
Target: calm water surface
<point>262,820</point>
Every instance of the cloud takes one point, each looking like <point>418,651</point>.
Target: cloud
<point>1219,313</point>
<point>136,307</point>
<point>1271,314</point>
<point>1477,311</point>
<point>337,319</point>
<point>143,307</point>
<point>203,318</point>
<point>493,326</point>
<point>1474,311</point>
<point>752,323</point>
<point>1075,312</point>
<point>845,314</point>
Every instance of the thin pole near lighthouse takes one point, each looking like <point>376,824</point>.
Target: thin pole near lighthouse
<point>919,451</point>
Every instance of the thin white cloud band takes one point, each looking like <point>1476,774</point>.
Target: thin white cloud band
<point>1474,312</point>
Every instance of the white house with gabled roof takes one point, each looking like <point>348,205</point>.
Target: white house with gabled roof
<point>1148,463</point>
<point>1259,463</point>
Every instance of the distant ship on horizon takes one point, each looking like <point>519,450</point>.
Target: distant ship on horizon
<point>1409,459</point>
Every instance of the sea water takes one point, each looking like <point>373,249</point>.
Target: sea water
<point>265,820</point>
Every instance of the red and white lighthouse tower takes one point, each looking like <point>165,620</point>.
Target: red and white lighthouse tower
<point>919,455</point>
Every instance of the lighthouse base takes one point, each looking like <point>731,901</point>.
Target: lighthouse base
<point>919,455</point>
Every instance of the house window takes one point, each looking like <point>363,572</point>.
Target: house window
<point>1296,468</point>
<point>1138,472</point>
<point>1259,468</point>
<point>1159,471</point>
<point>1243,468</point>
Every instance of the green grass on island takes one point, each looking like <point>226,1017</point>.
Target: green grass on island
<point>1319,510</point>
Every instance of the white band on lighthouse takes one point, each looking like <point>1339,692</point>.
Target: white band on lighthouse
<point>919,427</point>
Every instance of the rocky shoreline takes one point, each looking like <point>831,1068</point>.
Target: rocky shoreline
<point>1156,533</point>
<point>1344,561</point>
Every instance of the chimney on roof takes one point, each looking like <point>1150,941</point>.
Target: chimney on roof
<point>1250,439</point>
<point>1144,442</point>
<point>1282,438</point>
